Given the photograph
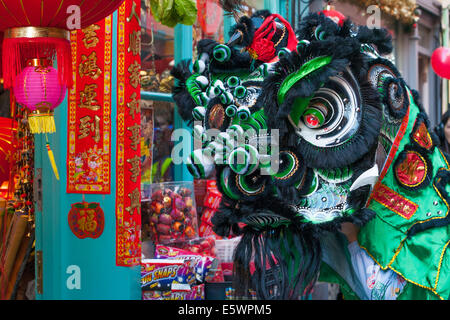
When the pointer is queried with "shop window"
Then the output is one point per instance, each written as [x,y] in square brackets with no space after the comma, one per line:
[157,53]
[209,24]
[211,20]
[251,6]
[156,145]
[157,117]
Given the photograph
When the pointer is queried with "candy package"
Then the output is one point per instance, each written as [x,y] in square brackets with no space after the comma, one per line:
[200,263]
[172,213]
[163,274]
[195,293]
[213,196]
[200,245]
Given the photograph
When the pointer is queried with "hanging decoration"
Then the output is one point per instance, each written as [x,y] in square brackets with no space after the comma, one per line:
[86,220]
[128,157]
[440,61]
[8,146]
[17,218]
[37,88]
[40,30]
[89,116]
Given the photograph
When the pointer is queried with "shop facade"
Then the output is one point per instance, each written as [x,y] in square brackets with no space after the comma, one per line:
[87,236]
[70,265]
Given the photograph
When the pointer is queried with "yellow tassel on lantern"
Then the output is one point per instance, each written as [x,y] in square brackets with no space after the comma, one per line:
[42,123]
[52,161]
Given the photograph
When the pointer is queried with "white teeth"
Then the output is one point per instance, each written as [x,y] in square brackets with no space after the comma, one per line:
[368,177]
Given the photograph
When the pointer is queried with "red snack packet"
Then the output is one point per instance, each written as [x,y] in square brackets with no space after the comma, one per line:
[207,215]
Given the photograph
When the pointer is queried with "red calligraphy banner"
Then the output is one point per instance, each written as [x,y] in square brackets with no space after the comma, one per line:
[89,123]
[128,161]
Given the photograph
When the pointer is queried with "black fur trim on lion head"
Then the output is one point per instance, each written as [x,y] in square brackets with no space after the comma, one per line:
[181,72]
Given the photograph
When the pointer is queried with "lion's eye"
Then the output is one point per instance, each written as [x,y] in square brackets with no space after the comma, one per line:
[316,114]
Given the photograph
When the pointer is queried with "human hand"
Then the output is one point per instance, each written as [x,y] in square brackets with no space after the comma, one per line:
[350,231]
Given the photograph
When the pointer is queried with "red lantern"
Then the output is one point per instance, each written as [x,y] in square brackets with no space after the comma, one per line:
[37,88]
[38,29]
[440,61]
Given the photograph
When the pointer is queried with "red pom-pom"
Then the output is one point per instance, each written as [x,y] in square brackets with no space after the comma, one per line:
[263,50]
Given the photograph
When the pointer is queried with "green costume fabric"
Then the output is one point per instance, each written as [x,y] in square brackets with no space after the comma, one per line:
[422,259]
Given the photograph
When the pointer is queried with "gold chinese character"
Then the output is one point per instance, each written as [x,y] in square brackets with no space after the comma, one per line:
[88,97]
[87,220]
[135,42]
[88,66]
[87,127]
[90,38]
[135,201]
[134,105]
[135,135]
[135,167]
[412,169]
[134,69]
[133,13]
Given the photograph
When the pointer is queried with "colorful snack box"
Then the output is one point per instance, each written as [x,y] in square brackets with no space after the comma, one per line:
[201,263]
[161,274]
[195,293]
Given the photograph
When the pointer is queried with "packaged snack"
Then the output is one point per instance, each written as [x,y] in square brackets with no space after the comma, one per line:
[200,192]
[195,293]
[212,197]
[205,230]
[207,215]
[200,263]
[161,274]
[215,274]
[172,215]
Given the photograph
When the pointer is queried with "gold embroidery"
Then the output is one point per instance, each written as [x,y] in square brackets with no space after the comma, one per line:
[135,42]
[88,66]
[87,127]
[88,98]
[134,69]
[90,38]
[135,199]
[135,135]
[133,14]
[135,169]
[134,105]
